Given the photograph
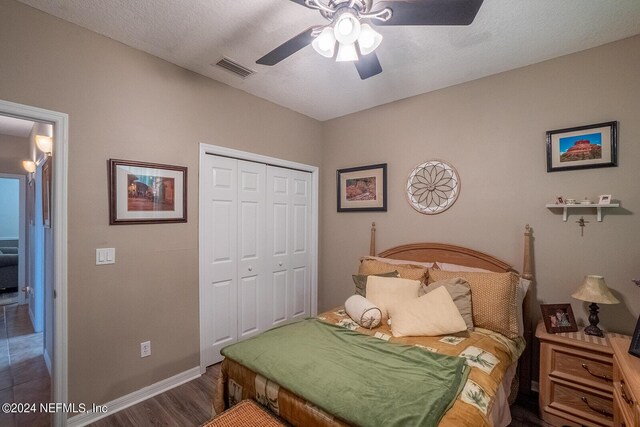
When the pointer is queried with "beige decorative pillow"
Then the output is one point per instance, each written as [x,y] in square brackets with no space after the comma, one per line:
[460,292]
[384,292]
[406,271]
[360,281]
[430,315]
[493,299]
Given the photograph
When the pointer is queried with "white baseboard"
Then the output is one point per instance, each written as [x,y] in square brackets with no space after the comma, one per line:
[535,386]
[47,360]
[136,397]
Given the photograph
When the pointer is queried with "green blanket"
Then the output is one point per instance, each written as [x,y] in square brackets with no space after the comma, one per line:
[360,379]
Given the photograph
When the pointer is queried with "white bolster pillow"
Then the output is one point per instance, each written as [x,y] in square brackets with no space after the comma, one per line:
[363,311]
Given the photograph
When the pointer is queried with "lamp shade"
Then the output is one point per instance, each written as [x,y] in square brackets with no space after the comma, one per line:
[325,43]
[594,289]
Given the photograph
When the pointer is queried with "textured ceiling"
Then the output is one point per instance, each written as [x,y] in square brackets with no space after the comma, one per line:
[194,34]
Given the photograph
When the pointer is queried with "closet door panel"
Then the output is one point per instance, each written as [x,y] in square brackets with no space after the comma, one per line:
[300,257]
[251,252]
[220,265]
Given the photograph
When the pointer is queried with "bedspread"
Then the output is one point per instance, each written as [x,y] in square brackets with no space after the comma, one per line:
[488,354]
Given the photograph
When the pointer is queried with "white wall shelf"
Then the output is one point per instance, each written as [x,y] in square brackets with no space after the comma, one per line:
[565,208]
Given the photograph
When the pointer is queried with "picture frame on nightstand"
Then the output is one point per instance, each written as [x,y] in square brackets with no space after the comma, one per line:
[558,318]
[634,348]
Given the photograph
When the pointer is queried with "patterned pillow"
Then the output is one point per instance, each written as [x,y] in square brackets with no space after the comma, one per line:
[360,281]
[413,272]
[493,298]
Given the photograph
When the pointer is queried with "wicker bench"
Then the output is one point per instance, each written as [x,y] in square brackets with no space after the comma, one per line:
[245,413]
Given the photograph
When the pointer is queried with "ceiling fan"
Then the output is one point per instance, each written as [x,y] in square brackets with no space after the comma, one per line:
[349,36]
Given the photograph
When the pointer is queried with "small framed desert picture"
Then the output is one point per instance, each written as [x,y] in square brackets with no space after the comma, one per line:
[362,188]
[146,193]
[583,147]
[558,318]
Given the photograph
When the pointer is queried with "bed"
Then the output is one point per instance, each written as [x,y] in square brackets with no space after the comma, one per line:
[478,370]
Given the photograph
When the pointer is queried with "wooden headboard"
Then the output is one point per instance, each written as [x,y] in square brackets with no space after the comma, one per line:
[432,252]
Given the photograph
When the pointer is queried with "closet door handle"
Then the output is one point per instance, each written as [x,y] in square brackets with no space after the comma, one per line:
[250,269]
[280,263]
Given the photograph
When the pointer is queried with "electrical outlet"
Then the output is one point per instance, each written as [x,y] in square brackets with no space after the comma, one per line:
[145,349]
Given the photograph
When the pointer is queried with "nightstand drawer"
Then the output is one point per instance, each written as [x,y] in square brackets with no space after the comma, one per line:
[592,407]
[590,369]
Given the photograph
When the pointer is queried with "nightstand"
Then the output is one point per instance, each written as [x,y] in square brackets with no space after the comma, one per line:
[576,378]
[626,384]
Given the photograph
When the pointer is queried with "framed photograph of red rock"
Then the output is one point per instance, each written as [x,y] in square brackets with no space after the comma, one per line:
[583,147]
[363,188]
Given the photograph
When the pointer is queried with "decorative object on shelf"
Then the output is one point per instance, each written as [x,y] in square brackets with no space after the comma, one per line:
[566,206]
[634,348]
[558,318]
[559,200]
[585,201]
[582,223]
[46,192]
[605,199]
[582,147]
[363,188]
[570,201]
[433,187]
[146,193]
[595,291]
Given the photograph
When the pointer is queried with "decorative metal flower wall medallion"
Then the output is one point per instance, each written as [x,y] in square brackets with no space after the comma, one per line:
[433,187]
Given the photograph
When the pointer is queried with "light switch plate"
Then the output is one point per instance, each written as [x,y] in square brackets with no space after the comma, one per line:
[105,256]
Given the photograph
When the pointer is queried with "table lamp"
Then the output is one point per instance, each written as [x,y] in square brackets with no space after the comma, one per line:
[595,291]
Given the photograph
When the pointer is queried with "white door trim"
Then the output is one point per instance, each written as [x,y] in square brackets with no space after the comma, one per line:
[22,224]
[60,121]
[252,157]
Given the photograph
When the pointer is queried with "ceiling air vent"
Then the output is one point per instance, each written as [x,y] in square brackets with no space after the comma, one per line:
[235,68]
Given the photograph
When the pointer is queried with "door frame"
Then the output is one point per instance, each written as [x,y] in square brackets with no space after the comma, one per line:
[22,232]
[206,149]
[60,122]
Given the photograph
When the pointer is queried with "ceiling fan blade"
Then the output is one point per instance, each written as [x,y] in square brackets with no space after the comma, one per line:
[288,48]
[430,12]
[368,66]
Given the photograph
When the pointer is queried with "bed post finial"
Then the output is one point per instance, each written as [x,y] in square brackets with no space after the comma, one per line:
[527,272]
[372,243]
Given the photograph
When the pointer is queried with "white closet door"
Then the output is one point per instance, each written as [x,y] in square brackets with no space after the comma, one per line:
[288,239]
[220,258]
[252,291]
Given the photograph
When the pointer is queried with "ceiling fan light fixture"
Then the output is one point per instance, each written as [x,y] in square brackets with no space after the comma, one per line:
[347,28]
[347,52]
[325,43]
[369,39]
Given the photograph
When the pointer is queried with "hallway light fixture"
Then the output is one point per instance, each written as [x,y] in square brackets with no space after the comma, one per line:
[29,166]
[44,143]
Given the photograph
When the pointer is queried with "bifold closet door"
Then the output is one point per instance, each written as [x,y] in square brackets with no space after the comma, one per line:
[288,244]
[234,252]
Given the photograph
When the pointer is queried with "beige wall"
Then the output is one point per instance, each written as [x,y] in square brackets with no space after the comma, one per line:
[13,150]
[493,131]
[129,105]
